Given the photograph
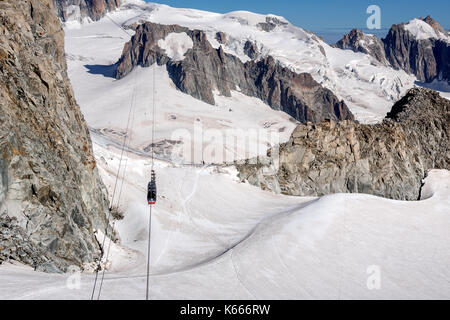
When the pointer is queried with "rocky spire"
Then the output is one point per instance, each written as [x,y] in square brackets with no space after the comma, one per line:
[428,59]
[434,24]
[358,41]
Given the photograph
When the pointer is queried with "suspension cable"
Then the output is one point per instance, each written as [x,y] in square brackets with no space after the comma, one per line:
[148,254]
[119,26]
[153,114]
[113,196]
[116,182]
[153,167]
[133,99]
[120,166]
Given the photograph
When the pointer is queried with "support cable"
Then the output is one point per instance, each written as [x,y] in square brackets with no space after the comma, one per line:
[148,254]
[121,184]
[153,167]
[113,198]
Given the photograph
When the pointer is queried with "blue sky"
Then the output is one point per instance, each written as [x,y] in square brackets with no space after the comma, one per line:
[325,14]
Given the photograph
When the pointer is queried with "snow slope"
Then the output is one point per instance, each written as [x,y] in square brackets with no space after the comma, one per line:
[176,45]
[276,247]
[422,30]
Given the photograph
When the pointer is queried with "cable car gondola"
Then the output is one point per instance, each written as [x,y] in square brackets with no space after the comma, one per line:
[151,194]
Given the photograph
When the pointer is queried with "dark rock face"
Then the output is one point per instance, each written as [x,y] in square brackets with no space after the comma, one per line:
[388,159]
[427,59]
[270,24]
[143,49]
[358,41]
[51,195]
[251,50]
[417,57]
[205,69]
[16,245]
[94,9]
[221,37]
[299,95]
[434,24]
[442,54]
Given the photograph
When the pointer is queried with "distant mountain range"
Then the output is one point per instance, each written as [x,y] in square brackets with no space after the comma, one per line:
[420,47]
[333,35]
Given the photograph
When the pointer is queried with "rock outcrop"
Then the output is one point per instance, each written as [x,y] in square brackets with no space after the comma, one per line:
[434,24]
[80,9]
[423,58]
[221,37]
[299,95]
[358,41]
[426,56]
[251,50]
[388,159]
[205,70]
[51,195]
[271,23]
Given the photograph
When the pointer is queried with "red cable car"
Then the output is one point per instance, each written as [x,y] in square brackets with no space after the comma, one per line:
[151,193]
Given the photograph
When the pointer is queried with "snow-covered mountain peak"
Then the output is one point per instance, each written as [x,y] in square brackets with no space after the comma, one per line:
[421,30]
[428,28]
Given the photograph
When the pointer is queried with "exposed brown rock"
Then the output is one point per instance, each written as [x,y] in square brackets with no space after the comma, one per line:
[417,57]
[51,195]
[221,37]
[94,9]
[434,24]
[388,159]
[251,50]
[358,41]
[427,59]
[299,95]
[270,24]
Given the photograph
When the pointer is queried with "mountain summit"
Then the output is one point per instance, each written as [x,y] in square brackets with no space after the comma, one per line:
[420,47]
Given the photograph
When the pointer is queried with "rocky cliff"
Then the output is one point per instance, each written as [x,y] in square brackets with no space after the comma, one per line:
[358,41]
[80,9]
[420,47]
[388,159]
[51,195]
[203,70]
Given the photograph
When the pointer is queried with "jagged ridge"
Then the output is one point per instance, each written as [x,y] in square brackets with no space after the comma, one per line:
[205,69]
[388,159]
[427,59]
